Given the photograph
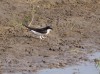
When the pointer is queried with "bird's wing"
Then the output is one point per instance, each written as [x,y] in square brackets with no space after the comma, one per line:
[40,30]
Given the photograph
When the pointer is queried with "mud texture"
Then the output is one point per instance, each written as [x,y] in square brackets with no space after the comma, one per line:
[76,33]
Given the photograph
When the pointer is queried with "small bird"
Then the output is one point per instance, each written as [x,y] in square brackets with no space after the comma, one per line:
[40,31]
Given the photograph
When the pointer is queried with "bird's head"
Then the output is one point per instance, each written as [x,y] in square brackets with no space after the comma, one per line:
[49,27]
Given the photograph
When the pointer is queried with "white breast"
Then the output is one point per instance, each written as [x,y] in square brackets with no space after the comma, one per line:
[48,31]
[37,33]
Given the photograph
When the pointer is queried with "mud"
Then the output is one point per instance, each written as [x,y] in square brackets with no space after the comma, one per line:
[76,33]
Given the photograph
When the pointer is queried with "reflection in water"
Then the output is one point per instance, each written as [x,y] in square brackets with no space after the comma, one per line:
[83,68]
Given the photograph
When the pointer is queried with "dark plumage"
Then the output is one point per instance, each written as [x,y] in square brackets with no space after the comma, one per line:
[40,31]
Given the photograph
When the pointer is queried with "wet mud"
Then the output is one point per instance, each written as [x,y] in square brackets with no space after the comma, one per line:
[76,33]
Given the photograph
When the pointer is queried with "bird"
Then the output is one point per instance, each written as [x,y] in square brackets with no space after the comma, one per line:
[41,32]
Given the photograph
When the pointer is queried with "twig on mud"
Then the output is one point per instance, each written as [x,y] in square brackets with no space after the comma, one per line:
[31,21]
[33,11]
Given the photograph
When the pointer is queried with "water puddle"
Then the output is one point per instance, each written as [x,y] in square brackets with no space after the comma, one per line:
[96,55]
[91,67]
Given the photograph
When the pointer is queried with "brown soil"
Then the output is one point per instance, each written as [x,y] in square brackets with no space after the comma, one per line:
[76,33]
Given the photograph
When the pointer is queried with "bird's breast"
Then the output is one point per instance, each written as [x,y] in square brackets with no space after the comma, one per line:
[48,31]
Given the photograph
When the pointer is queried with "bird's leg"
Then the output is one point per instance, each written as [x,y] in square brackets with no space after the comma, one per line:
[43,37]
[40,37]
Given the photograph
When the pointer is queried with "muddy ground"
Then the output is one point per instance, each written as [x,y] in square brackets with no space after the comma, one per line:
[76,33]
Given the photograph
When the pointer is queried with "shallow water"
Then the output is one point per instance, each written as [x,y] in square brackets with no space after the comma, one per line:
[87,68]
[83,68]
[95,55]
